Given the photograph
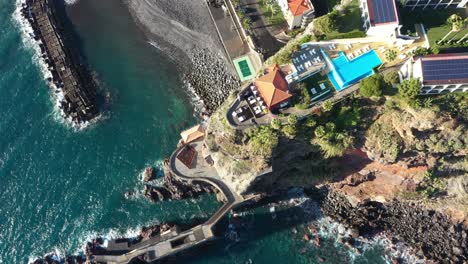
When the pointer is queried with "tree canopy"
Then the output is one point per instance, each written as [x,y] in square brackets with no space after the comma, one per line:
[332,142]
[262,140]
[372,86]
[410,88]
[326,24]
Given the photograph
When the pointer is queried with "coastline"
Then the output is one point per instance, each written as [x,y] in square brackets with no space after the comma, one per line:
[187,34]
[74,88]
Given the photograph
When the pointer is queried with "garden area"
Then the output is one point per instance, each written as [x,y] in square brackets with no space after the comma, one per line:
[436,24]
[311,90]
[340,24]
[271,11]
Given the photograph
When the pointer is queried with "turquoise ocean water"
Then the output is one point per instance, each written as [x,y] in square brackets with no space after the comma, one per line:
[60,187]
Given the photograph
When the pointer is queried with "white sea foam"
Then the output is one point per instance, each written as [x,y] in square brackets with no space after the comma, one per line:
[71,2]
[30,44]
[56,254]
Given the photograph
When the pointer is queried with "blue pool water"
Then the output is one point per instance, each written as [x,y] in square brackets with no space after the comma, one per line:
[345,72]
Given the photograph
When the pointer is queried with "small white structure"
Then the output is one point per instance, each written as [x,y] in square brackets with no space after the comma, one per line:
[298,13]
[380,17]
[441,73]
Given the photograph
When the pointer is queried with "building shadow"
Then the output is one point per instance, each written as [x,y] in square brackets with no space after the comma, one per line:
[262,225]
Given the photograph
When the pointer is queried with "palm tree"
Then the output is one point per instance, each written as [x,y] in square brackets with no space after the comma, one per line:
[466,35]
[457,22]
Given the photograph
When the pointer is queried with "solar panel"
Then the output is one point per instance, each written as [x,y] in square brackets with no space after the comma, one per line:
[445,70]
[384,11]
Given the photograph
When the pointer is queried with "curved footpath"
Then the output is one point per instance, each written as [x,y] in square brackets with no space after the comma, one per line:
[157,248]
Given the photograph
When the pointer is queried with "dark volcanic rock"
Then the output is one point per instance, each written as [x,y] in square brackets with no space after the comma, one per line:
[428,231]
[175,189]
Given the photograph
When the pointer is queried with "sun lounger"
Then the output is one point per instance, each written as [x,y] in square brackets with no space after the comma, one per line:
[253,101]
[322,86]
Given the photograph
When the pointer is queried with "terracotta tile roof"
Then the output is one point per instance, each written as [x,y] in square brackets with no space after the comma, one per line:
[298,7]
[192,134]
[273,87]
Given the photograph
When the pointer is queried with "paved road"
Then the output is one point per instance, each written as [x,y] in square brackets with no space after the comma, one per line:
[263,33]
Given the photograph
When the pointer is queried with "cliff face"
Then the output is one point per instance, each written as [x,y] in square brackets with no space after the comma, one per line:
[416,137]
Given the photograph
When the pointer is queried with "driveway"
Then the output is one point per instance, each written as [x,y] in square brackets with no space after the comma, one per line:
[263,33]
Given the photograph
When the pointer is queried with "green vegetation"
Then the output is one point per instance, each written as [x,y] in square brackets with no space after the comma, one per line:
[435,21]
[344,24]
[276,124]
[390,55]
[305,39]
[392,78]
[409,90]
[421,51]
[327,106]
[301,96]
[271,11]
[431,185]
[332,142]
[372,86]
[283,56]
[384,141]
[326,24]
[262,140]
[293,33]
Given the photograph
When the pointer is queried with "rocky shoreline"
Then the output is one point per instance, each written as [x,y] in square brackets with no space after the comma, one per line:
[74,86]
[430,233]
[173,189]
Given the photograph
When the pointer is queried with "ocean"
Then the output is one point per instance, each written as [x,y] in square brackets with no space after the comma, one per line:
[60,186]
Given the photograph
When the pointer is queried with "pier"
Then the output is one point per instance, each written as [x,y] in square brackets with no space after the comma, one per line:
[173,241]
[75,88]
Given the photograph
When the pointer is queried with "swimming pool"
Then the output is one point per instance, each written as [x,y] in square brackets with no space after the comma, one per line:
[345,72]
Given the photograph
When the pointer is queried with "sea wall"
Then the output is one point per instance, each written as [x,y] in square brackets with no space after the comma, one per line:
[73,86]
[430,233]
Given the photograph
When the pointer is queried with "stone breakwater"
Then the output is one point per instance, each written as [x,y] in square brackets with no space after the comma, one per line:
[73,85]
[432,235]
[210,79]
[99,245]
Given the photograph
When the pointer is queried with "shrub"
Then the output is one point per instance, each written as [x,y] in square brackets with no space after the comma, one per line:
[327,106]
[276,124]
[390,55]
[305,39]
[332,142]
[372,86]
[421,51]
[392,78]
[326,24]
[409,89]
[289,131]
[310,122]
[292,120]
[262,140]
[301,97]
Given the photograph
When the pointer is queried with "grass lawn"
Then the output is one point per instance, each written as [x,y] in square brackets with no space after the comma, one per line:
[435,21]
[349,23]
[314,82]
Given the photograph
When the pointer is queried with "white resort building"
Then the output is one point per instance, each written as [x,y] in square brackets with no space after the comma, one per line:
[380,17]
[298,13]
[434,3]
[442,73]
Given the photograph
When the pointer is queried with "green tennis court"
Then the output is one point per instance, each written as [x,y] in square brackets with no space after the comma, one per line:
[244,68]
